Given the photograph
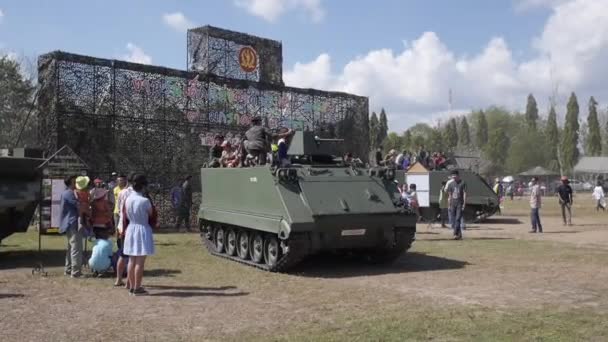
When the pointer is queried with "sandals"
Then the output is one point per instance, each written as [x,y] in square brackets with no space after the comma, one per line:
[119,284]
[138,292]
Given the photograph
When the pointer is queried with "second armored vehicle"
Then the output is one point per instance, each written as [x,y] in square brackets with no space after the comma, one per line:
[19,193]
[272,218]
[482,202]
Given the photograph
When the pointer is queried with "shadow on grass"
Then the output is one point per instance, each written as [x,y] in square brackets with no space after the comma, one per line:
[481,238]
[161,272]
[30,258]
[190,288]
[11,295]
[165,244]
[426,233]
[562,232]
[502,220]
[190,294]
[338,266]
[484,228]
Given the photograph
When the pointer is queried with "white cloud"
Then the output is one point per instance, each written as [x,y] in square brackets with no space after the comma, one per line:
[524,5]
[136,55]
[271,10]
[413,84]
[178,21]
[1,15]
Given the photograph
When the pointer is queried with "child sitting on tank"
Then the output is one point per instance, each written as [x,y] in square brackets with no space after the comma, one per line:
[229,157]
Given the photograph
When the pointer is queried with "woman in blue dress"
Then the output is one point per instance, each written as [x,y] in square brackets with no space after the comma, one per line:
[139,241]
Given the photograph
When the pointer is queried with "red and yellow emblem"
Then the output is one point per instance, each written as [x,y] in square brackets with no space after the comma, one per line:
[248,59]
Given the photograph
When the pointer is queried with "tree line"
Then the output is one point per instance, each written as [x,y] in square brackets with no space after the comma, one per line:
[512,142]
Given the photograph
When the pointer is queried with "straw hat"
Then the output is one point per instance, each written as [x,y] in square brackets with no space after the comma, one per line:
[82,182]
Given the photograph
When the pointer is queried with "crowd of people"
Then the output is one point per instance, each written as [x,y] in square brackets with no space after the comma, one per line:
[121,207]
[405,159]
[254,150]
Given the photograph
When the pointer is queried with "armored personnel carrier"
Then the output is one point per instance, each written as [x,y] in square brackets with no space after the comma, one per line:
[273,217]
[481,203]
[19,193]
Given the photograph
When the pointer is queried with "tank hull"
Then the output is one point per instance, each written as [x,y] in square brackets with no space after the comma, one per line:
[332,209]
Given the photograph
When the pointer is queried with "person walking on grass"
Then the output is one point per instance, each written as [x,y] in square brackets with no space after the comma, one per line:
[443,204]
[457,192]
[139,241]
[69,209]
[564,194]
[535,204]
[598,195]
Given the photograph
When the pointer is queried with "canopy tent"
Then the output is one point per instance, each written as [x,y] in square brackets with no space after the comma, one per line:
[539,171]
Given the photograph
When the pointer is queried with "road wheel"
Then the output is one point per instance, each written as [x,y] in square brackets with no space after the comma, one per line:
[256,248]
[231,242]
[272,250]
[219,239]
[243,245]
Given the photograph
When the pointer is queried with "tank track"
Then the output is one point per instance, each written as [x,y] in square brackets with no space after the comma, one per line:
[299,249]
[388,254]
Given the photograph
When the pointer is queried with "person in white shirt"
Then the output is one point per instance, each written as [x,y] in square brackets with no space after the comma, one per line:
[598,195]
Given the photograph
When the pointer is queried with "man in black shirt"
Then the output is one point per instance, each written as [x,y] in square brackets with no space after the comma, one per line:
[564,194]
[257,143]
[457,197]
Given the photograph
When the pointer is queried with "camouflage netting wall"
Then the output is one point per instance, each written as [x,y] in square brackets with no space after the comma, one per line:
[120,116]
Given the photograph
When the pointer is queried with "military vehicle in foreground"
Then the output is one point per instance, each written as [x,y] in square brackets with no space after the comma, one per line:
[273,217]
[20,184]
[482,202]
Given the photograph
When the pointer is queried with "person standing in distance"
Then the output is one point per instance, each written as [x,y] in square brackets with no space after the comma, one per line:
[457,192]
[121,184]
[120,233]
[535,204]
[564,194]
[70,213]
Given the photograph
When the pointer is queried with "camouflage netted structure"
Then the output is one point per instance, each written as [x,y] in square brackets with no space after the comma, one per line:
[120,116]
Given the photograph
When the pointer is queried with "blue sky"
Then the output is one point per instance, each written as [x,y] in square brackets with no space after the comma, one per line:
[343,43]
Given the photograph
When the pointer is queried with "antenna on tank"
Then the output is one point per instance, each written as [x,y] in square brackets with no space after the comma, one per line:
[450,102]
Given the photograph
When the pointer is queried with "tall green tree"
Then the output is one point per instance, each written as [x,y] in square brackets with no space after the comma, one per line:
[406,140]
[382,126]
[531,112]
[481,131]
[552,136]
[392,141]
[451,133]
[521,156]
[569,150]
[497,147]
[594,138]
[464,134]
[374,126]
[16,94]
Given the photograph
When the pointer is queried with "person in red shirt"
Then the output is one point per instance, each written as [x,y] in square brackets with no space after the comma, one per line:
[101,210]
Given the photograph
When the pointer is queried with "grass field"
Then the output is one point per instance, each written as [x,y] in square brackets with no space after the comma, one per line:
[498,284]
